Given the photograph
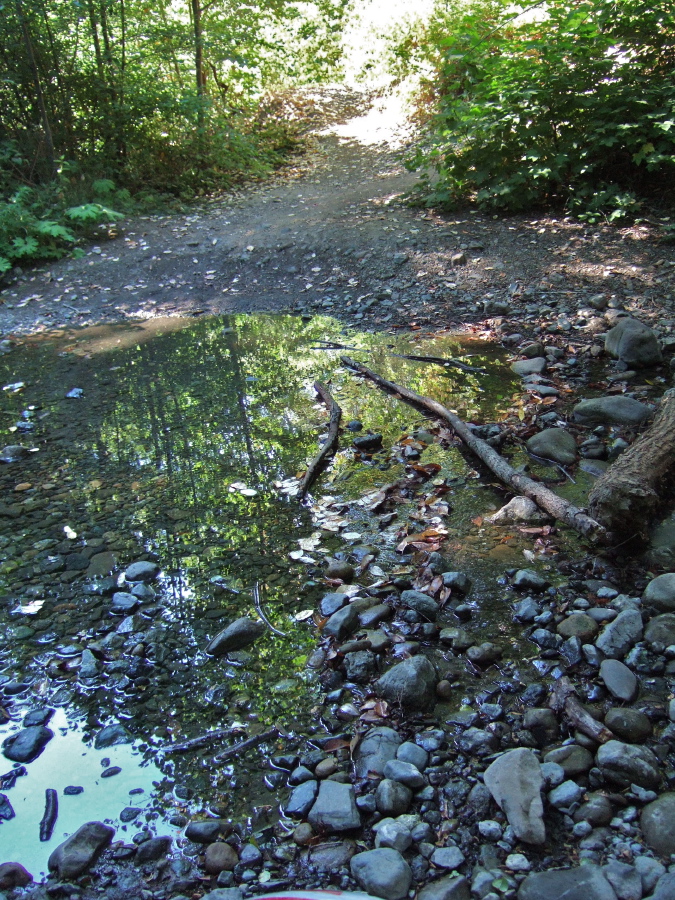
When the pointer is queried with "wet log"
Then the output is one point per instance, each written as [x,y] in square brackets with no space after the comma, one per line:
[202,741]
[564,700]
[545,498]
[330,444]
[253,741]
[627,495]
[51,814]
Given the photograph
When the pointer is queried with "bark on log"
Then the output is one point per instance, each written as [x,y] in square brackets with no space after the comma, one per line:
[329,446]
[564,699]
[547,499]
[235,749]
[626,496]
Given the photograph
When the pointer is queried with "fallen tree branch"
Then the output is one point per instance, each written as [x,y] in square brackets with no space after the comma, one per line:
[249,742]
[544,497]
[563,699]
[330,444]
[625,497]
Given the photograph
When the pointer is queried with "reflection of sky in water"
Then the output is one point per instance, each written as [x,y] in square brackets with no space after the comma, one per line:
[67,761]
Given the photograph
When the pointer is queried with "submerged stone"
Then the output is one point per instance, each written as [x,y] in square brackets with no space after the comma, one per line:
[239,634]
[27,744]
[80,850]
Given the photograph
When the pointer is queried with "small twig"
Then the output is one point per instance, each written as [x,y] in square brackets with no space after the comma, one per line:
[248,743]
[553,463]
[258,606]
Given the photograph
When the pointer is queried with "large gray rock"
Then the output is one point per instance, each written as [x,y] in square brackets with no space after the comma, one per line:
[80,850]
[143,570]
[377,747]
[335,808]
[13,875]
[13,453]
[619,680]
[342,623]
[302,799]
[383,873]
[152,850]
[625,764]
[392,797]
[634,343]
[628,724]
[573,759]
[660,593]
[622,633]
[661,630]
[412,683]
[554,443]
[27,744]
[404,772]
[239,634]
[658,824]
[583,883]
[520,509]
[112,735]
[423,604]
[452,887]
[612,411]
[515,782]
[330,856]
[533,366]
[665,887]
[624,879]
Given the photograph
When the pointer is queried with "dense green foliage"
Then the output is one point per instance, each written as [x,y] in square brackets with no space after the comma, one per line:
[171,97]
[571,103]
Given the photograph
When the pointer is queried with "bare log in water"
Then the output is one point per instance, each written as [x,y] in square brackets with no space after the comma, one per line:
[626,496]
[547,499]
[330,444]
[51,814]
[198,742]
[247,744]
[436,360]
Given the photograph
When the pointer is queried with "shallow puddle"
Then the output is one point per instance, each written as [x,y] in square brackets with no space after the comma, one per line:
[174,443]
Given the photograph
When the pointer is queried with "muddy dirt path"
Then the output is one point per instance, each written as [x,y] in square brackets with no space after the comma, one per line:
[332,234]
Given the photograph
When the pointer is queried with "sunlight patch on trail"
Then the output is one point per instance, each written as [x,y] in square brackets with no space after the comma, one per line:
[387,122]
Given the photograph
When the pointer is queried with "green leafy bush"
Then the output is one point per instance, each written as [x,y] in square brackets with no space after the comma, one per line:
[35,224]
[573,103]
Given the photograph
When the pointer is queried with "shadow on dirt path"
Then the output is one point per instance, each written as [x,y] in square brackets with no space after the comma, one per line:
[333,235]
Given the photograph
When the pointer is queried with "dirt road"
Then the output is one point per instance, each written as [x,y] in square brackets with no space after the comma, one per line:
[332,235]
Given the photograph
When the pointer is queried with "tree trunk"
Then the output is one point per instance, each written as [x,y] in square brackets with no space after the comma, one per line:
[548,500]
[626,496]
[199,64]
[42,106]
